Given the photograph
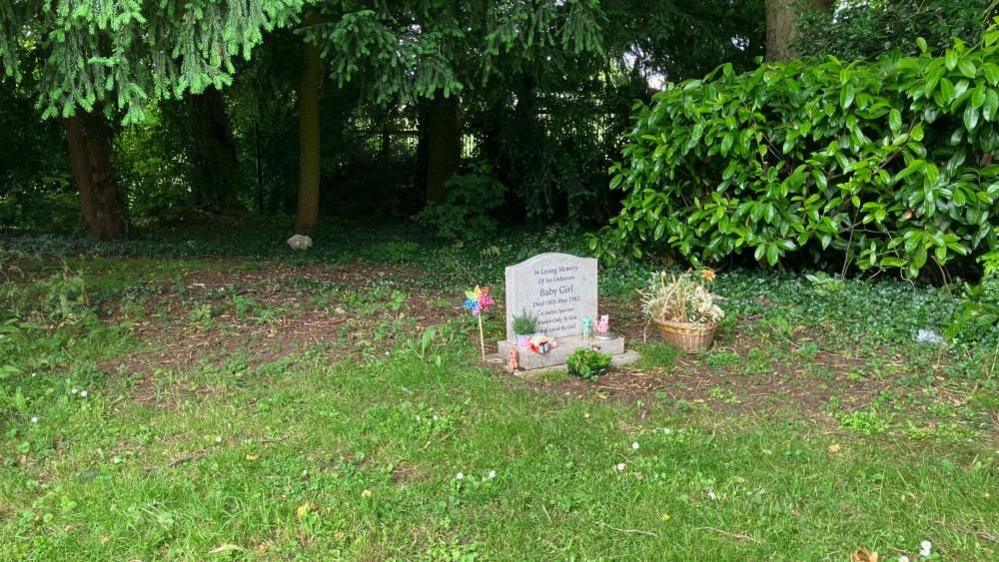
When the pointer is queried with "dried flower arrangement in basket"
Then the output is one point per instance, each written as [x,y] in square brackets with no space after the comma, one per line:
[683,307]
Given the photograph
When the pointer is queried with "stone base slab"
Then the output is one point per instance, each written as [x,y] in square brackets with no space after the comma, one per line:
[530,361]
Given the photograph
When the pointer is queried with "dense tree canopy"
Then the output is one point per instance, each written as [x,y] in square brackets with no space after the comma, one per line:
[866,30]
[125,55]
[461,114]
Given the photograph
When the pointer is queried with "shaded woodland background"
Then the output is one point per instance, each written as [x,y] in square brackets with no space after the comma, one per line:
[504,112]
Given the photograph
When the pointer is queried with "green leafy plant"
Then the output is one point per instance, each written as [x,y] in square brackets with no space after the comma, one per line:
[243,305]
[868,422]
[990,260]
[8,329]
[203,315]
[393,252]
[865,30]
[978,319]
[588,364]
[65,300]
[465,214]
[883,165]
[452,552]
[824,284]
[525,324]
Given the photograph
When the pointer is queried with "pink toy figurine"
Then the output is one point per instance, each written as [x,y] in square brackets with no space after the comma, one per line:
[514,360]
[603,324]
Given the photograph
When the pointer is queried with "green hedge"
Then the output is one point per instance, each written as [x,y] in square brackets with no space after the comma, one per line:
[883,165]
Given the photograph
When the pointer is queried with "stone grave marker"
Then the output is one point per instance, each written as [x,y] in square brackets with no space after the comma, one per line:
[560,290]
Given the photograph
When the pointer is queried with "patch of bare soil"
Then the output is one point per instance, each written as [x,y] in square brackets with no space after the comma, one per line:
[405,473]
[803,383]
[274,275]
[690,382]
[294,323]
[283,319]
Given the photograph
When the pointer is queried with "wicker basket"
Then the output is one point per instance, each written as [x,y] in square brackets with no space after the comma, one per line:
[686,336]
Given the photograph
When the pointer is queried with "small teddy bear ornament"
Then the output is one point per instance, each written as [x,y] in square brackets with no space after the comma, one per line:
[514,360]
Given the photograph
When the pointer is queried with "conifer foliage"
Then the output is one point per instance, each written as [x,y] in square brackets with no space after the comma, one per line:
[125,54]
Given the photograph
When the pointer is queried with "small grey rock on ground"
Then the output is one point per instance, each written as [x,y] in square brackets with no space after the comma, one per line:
[300,242]
[928,336]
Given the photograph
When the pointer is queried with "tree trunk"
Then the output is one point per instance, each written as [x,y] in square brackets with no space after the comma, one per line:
[492,135]
[216,167]
[307,213]
[256,161]
[782,31]
[420,167]
[526,137]
[101,199]
[443,145]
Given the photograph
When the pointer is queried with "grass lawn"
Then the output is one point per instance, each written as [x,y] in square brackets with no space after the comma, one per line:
[208,396]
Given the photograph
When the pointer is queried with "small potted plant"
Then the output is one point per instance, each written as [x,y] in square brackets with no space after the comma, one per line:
[524,326]
[683,308]
[588,363]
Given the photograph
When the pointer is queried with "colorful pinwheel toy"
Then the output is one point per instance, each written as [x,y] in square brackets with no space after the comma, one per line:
[478,301]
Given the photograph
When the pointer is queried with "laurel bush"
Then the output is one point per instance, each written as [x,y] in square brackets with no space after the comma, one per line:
[884,165]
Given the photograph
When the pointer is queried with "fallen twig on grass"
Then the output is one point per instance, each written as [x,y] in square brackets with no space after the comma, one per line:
[739,536]
[544,509]
[185,458]
[629,531]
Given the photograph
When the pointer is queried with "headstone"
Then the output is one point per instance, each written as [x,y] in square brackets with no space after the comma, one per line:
[560,290]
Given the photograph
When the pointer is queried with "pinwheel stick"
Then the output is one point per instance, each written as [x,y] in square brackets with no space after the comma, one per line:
[482,339]
[478,301]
